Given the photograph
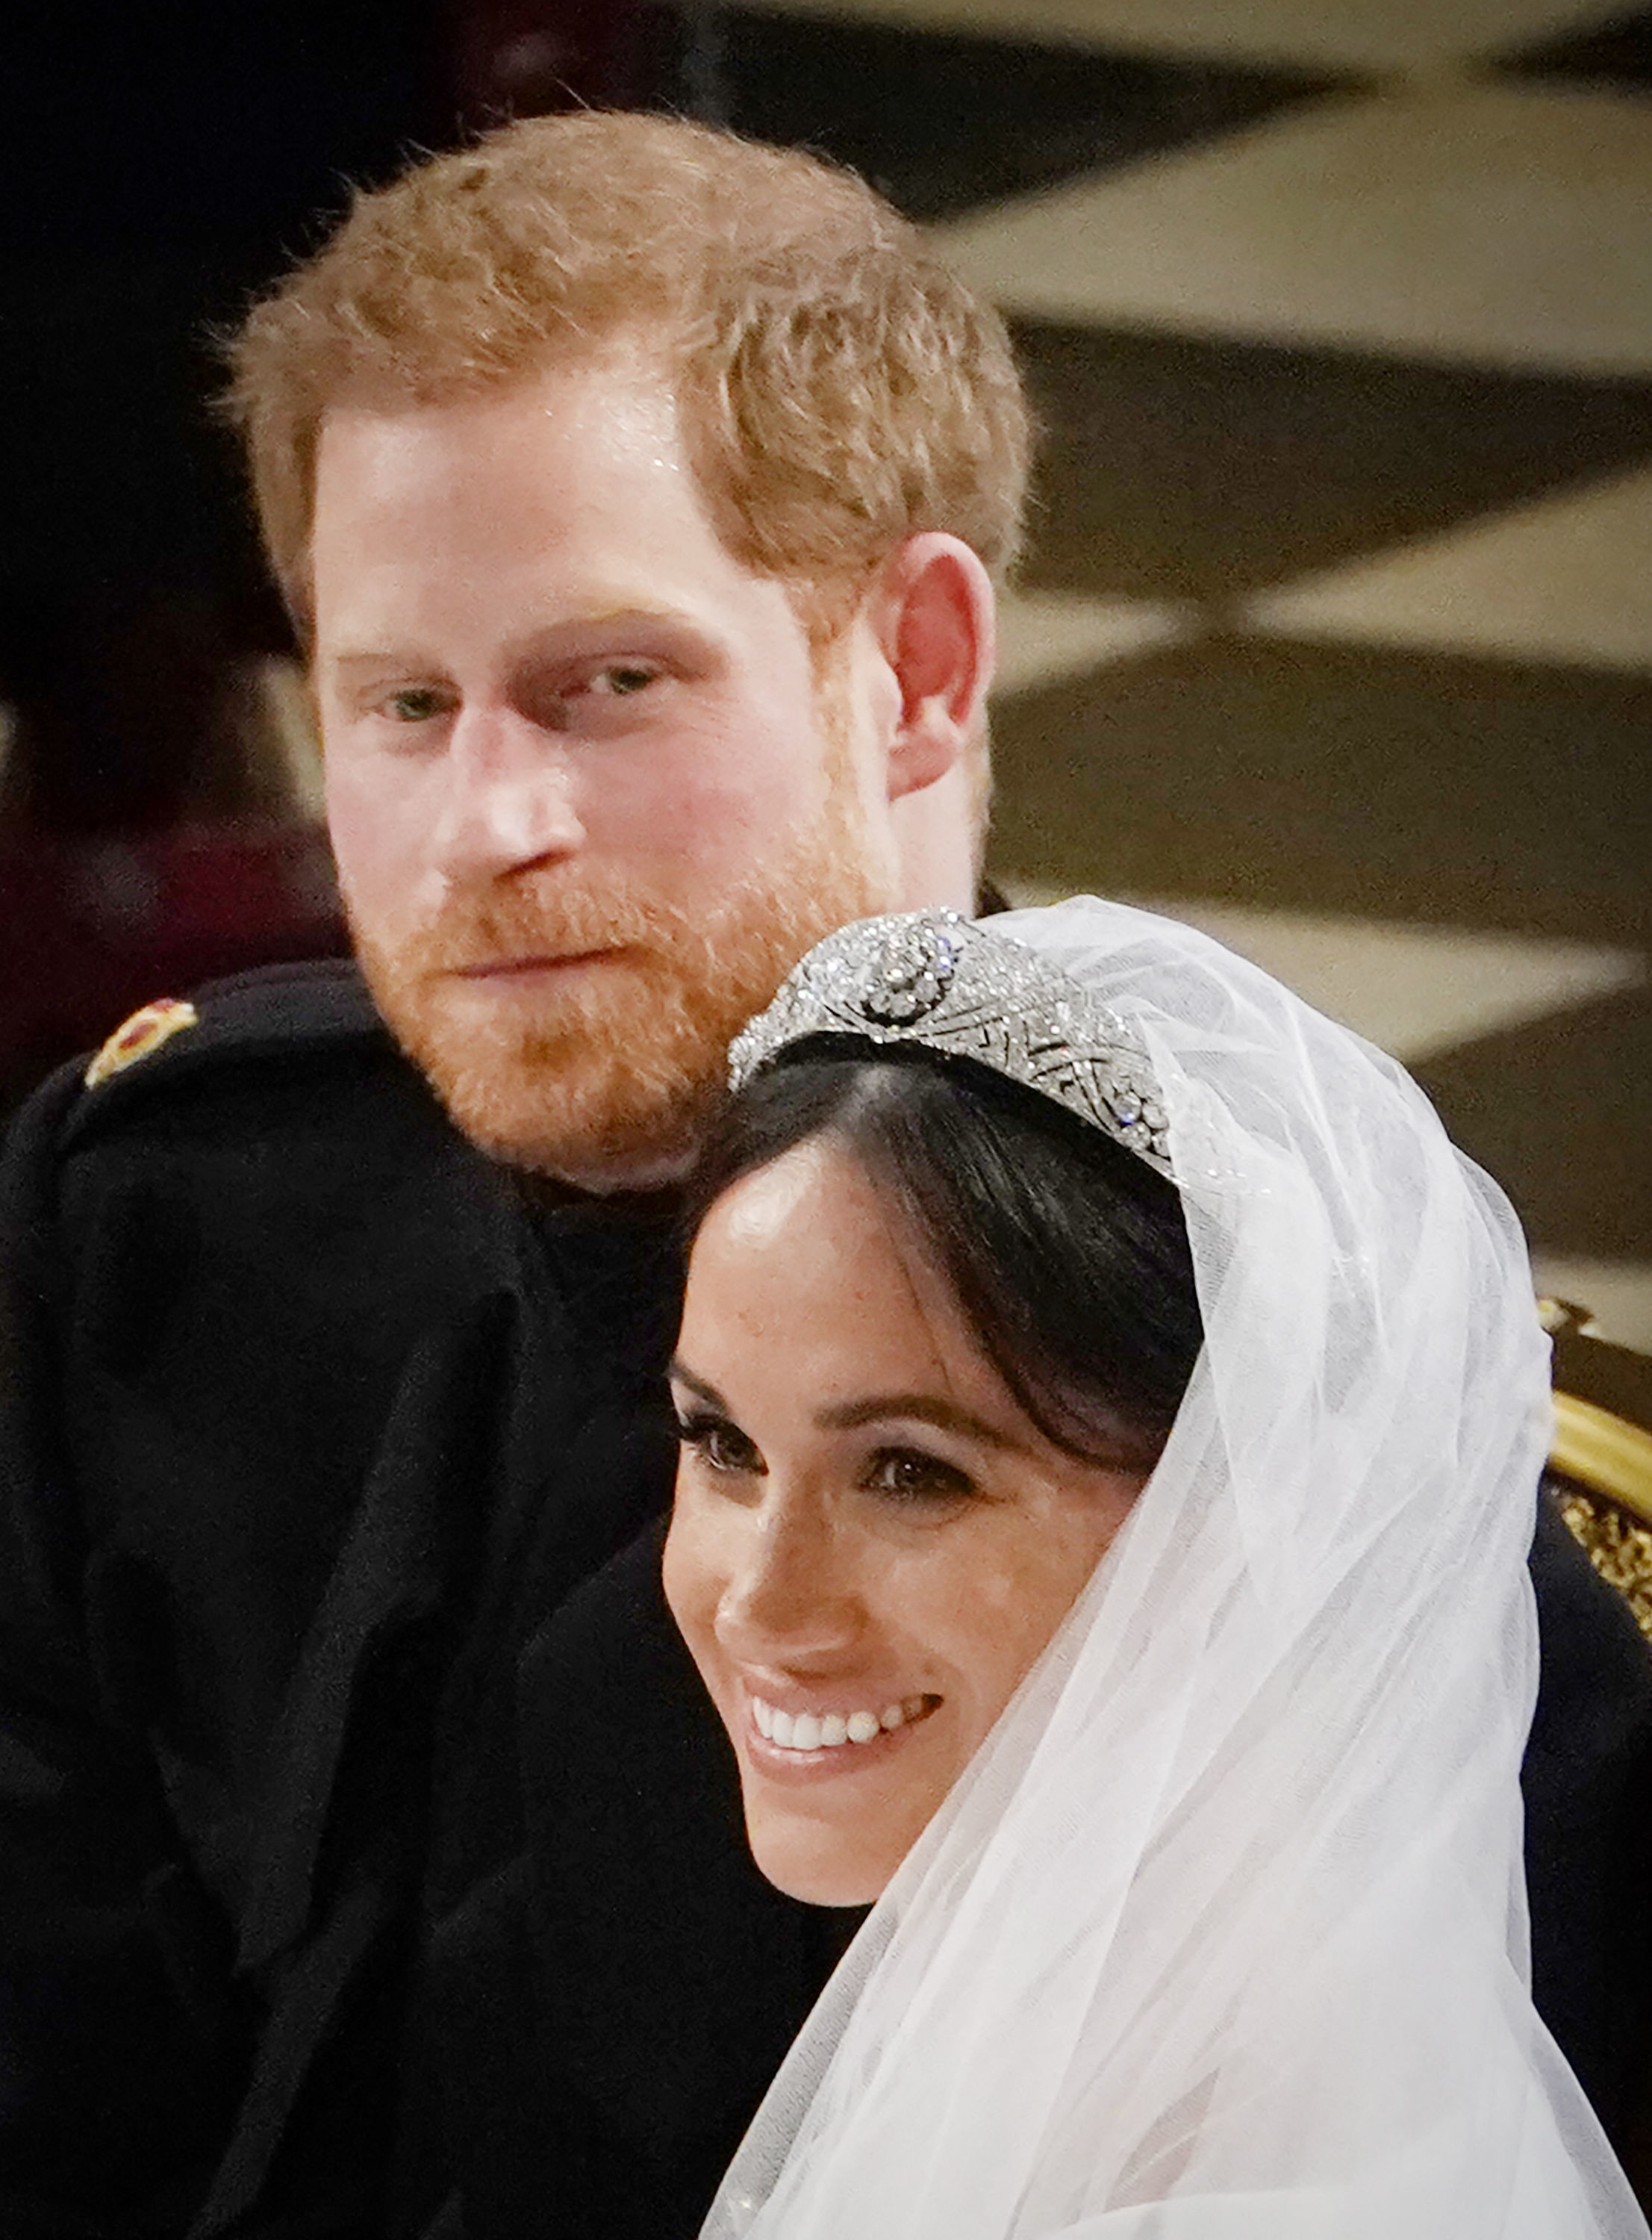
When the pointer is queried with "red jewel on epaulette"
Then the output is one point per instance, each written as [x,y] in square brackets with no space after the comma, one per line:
[143,1032]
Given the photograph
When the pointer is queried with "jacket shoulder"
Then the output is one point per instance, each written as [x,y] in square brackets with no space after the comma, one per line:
[221,1036]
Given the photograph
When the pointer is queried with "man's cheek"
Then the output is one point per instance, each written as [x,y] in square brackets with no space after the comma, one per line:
[376,841]
[717,782]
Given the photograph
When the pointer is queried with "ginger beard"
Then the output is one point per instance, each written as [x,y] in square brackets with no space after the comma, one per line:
[614,1072]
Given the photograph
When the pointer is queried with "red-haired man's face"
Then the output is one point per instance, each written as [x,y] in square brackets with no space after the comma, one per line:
[588,797]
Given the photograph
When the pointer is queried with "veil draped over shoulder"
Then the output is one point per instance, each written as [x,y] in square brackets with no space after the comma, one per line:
[1222,1935]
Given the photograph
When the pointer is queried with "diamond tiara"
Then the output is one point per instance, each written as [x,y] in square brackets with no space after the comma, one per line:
[932,979]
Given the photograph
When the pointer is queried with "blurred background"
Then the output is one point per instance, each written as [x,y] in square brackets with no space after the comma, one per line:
[1336,635]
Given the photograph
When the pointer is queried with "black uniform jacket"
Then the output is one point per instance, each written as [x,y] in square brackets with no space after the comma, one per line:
[362,1872]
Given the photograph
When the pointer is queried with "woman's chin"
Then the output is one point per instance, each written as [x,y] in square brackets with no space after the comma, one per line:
[803,1864]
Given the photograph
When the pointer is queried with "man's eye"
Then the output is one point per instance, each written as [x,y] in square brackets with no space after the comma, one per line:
[621,678]
[721,1445]
[907,1474]
[419,703]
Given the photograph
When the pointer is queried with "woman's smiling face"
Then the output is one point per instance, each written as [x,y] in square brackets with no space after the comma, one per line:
[872,1541]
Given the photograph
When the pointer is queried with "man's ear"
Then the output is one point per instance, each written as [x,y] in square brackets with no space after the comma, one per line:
[933,615]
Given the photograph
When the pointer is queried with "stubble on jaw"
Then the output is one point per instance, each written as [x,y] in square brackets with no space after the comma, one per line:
[616,1073]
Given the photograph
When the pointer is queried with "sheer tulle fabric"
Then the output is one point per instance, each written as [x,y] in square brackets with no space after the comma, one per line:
[1223,1936]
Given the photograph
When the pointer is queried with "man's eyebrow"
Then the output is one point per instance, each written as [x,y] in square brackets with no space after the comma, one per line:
[350,660]
[915,1407]
[677,620]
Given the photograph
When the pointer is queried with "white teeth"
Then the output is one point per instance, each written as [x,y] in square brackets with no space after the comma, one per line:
[811,1730]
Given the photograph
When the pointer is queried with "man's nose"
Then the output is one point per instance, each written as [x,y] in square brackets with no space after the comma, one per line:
[508,797]
[792,1597]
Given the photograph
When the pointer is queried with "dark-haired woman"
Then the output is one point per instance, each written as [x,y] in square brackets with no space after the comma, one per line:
[1111,1412]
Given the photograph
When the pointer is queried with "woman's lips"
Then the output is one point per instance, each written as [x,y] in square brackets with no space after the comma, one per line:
[835,1741]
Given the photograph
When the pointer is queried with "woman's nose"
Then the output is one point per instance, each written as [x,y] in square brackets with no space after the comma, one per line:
[508,799]
[791,1596]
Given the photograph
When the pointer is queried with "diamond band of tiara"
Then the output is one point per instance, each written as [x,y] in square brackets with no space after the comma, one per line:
[931,978]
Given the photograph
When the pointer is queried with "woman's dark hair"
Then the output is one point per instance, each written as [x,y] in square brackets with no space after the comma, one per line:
[1068,1255]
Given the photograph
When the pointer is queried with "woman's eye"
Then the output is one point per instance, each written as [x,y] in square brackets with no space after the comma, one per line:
[722,1446]
[907,1474]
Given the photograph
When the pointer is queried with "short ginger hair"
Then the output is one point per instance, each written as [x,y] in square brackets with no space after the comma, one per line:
[839,389]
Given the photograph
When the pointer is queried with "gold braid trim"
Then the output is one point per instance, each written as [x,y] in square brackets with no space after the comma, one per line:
[1620,1551]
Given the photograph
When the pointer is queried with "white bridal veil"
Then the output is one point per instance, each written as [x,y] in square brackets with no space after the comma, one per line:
[1223,1936]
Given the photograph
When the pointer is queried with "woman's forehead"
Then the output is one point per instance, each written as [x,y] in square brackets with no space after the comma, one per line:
[806,1268]
[816,1214]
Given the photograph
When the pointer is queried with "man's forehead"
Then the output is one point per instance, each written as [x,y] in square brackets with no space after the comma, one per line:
[622,379]
[589,456]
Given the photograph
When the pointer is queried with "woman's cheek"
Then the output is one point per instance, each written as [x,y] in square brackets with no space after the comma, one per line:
[686,1572]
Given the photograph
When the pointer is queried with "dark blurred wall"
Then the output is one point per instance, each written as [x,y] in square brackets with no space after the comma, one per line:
[158,164]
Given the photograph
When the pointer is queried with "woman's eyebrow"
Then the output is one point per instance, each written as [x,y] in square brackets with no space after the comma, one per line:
[681,1375]
[913,1407]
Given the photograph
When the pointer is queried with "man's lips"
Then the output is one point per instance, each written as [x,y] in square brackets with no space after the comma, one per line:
[528,967]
